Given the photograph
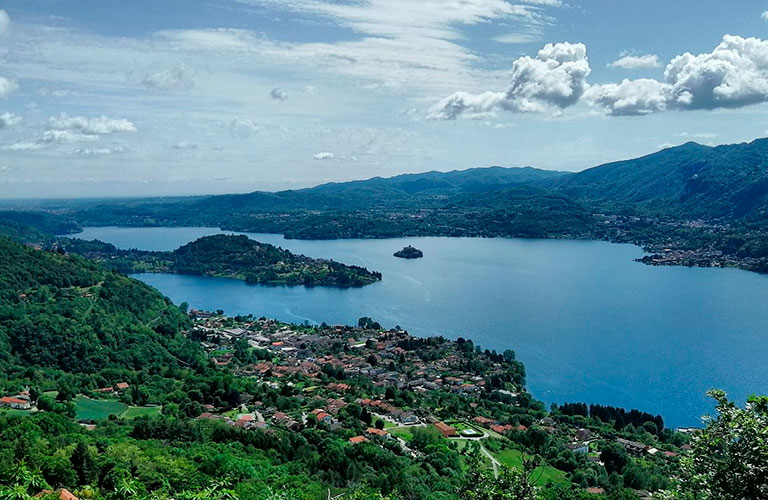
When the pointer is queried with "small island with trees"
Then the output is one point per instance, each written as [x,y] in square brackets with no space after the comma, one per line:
[409,252]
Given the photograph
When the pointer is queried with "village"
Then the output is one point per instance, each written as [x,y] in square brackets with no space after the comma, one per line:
[369,366]
[380,386]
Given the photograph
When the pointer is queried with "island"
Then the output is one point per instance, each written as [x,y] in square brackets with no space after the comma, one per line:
[409,252]
[226,256]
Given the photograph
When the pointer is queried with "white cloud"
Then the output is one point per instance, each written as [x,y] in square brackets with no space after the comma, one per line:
[49,92]
[630,97]
[243,127]
[554,79]
[100,125]
[22,146]
[278,94]
[177,78]
[5,22]
[637,62]
[66,136]
[324,155]
[7,87]
[734,74]
[514,38]
[100,151]
[764,16]
[185,145]
[8,120]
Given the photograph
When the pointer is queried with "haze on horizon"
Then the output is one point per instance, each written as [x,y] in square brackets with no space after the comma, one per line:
[199,97]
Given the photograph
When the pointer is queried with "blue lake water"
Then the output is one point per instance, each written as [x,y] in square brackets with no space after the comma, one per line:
[589,323]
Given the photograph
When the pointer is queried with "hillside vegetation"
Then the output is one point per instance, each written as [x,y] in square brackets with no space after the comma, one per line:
[63,312]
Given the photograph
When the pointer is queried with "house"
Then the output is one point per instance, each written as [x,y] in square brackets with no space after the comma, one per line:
[105,390]
[583,435]
[15,403]
[445,430]
[595,490]
[579,447]
[373,432]
[121,386]
[324,417]
[485,422]
[408,418]
[358,440]
[632,446]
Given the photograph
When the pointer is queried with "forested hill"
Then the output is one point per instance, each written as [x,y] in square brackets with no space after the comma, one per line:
[725,182]
[228,256]
[63,312]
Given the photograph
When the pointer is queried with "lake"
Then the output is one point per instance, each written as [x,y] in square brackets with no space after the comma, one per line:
[589,323]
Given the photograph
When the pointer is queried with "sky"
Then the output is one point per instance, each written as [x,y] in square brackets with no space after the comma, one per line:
[179,97]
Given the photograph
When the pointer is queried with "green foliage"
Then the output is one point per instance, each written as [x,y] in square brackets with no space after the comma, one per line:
[729,459]
[65,313]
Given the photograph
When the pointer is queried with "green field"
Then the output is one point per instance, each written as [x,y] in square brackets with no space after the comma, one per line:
[140,411]
[101,409]
[97,409]
[543,475]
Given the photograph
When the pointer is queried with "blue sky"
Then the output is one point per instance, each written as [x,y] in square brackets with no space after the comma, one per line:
[107,97]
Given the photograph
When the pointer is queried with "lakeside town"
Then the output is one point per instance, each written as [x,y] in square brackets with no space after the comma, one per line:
[371,385]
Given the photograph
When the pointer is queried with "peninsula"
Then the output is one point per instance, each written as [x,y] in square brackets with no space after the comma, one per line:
[226,256]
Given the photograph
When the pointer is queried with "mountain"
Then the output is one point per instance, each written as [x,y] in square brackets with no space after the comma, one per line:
[63,312]
[689,181]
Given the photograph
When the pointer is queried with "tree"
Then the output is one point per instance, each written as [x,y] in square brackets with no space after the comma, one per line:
[615,458]
[729,457]
[511,484]
[389,393]
[26,482]
[84,463]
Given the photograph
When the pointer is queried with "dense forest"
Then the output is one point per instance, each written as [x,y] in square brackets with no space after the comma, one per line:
[227,256]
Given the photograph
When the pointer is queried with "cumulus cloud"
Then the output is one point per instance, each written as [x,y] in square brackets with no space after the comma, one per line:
[177,78]
[555,79]
[8,120]
[733,75]
[5,22]
[630,97]
[324,155]
[100,125]
[764,16]
[7,87]
[278,94]
[637,62]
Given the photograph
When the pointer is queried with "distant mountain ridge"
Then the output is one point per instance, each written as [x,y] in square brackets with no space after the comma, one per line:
[701,205]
